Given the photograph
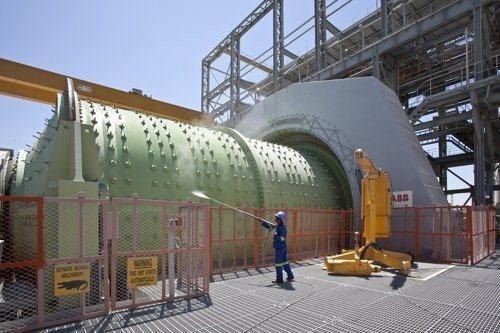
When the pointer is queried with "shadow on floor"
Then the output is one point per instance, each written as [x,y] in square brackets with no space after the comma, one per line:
[225,276]
[125,319]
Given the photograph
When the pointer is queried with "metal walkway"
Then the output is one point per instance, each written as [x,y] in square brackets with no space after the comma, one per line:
[492,261]
[460,299]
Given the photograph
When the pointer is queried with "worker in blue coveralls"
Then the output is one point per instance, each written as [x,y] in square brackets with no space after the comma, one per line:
[279,245]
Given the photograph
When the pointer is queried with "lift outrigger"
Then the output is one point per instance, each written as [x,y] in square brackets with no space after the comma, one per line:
[375,216]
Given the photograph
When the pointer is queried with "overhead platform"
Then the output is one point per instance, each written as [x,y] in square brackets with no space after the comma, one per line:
[460,299]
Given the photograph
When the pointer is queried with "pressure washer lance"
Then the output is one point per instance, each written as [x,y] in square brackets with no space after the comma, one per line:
[203,196]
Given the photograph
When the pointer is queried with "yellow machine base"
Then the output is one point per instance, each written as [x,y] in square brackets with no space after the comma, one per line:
[350,267]
[359,261]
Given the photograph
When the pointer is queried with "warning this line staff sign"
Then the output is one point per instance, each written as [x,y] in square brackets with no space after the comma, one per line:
[142,271]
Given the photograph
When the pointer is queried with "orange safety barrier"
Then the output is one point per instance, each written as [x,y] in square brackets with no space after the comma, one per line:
[446,234]
[21,263]
[238,242]
[183,243]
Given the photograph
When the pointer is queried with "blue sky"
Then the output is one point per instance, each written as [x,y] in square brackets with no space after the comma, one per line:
[156,46]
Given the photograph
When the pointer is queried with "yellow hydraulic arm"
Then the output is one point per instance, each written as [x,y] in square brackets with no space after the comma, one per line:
[375,216]
[375,199]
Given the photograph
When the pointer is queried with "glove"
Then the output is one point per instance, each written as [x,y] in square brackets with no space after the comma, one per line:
[266,224]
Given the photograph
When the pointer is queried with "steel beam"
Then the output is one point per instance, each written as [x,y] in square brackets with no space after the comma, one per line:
[252,62]
[234,76]
[31,83]
[443,120]
[320,33]
[460,190]
[255,16]
[478,40]
[436,134]
[442,145]
[330,27]
[426,24]
[451,161]
[278,44]
[290,54]
[219,89]
[384,15]
[205,86]
[479,160]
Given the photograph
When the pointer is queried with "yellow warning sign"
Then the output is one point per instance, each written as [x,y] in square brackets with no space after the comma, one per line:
[142,271]
[71,279]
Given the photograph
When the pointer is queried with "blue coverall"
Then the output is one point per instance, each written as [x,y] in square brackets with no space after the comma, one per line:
[279,245]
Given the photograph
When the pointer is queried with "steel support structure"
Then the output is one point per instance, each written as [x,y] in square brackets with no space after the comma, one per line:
[278,44]
[205,85]
[320,33]
[234,76]
[442,146]
[384,16]
[231,45]
[437,55]
[479,196]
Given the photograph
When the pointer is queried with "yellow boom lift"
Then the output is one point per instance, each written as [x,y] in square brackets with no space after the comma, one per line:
[375,216]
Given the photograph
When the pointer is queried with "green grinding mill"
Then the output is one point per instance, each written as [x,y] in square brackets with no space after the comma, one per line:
[111,152]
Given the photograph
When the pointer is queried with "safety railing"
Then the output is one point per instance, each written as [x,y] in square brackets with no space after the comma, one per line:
[463,74]
[238,242]
[55,262]
[68,259]
[459,234]
[75,274]
[21,263]
[159,252]
[482,237]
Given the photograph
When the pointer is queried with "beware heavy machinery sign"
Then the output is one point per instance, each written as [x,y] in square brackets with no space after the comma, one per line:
[142,271]
[71,279]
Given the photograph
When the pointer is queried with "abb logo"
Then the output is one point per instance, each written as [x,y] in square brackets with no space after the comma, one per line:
[402,199]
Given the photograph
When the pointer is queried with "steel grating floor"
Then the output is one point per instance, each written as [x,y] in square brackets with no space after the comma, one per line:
[460,299]
[492,261]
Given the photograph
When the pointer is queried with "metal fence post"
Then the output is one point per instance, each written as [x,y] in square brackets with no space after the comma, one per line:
[416,232]
[342,230]
[294,234]
[470,235]
[209,240]
[40,262]
[105,254]
[255,243]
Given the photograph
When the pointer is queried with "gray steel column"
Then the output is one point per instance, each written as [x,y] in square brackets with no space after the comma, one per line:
[384,17]
[234,95]
[479,162]
[478,118]
[320,33]
[205,85]
[478,41]
[278,53]
[376,66]
[496,194]
[443,179]
[489,182]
